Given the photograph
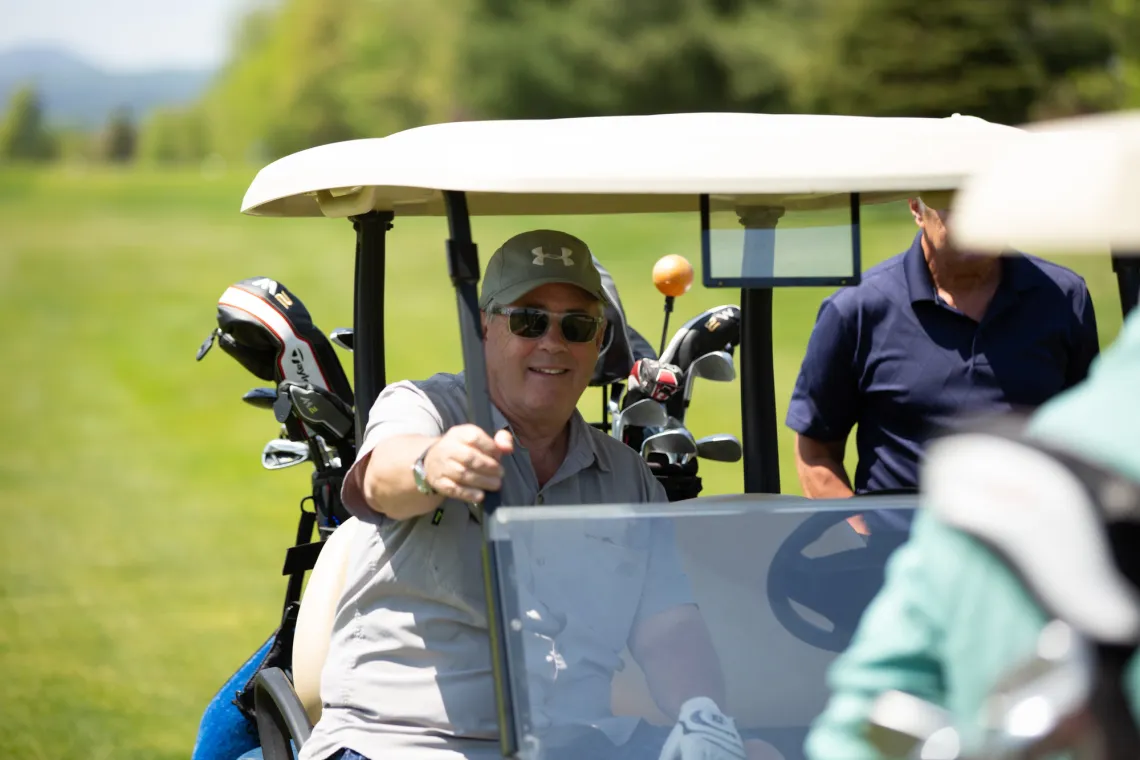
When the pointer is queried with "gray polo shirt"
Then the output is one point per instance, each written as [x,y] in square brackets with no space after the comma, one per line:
[409,666]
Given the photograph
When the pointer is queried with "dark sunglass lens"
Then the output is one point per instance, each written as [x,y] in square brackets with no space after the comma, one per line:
[579,328]
[528,323]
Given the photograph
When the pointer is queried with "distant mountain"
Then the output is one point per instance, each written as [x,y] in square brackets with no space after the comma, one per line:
[76,93]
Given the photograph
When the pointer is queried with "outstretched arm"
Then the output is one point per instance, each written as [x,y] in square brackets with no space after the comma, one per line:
[674,649]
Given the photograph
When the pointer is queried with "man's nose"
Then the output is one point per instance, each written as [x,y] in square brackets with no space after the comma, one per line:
[552,339]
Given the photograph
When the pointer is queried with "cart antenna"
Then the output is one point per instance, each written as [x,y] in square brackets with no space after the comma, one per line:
[672,276]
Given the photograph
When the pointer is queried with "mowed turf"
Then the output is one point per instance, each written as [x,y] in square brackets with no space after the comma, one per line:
[142,541]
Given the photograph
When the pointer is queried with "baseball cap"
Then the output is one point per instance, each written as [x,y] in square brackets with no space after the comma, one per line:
[539,257]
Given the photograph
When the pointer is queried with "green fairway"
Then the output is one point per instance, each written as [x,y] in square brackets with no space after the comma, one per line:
[143,541]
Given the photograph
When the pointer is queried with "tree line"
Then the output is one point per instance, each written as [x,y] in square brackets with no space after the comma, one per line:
[304,73]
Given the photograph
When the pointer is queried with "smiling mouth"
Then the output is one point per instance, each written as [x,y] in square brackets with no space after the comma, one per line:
[549,372]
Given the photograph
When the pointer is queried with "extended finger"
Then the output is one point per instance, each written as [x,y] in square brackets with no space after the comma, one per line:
[475,437]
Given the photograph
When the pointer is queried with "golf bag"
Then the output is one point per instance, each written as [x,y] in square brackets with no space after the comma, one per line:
[268,330]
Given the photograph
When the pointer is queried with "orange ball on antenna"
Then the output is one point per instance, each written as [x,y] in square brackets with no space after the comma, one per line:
[673,275]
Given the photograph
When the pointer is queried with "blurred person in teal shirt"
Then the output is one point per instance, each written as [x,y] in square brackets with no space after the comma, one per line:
[952,617]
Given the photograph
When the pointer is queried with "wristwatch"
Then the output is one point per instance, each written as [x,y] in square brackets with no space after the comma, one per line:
[420,474]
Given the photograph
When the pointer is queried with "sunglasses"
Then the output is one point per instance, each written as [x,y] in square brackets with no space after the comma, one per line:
[532,323]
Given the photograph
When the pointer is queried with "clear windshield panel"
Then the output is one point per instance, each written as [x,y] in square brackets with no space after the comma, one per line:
[782,242]
[617,613]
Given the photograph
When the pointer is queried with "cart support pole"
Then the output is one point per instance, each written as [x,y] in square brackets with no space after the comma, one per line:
[757,370]
[1127,268]
[758,393]
[368,320]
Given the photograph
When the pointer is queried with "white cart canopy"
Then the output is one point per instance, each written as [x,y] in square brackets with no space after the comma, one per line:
[626,164]
[1071,186]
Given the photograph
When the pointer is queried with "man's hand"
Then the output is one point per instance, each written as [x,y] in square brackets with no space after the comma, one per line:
[703,732]
[466,462]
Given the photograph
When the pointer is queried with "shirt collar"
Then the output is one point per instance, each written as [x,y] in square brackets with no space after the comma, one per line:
[919,284]
[1016,275]
[583,447]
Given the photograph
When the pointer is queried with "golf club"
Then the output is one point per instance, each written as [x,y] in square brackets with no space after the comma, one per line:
[316,407]
[719,447]
[675,442]
[343,337]
[262,398]
[715,365]
[1035,702]
[903,725]
[281,453]
[643,413]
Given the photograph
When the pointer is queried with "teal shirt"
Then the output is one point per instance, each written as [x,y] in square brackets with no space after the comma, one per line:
[951,618]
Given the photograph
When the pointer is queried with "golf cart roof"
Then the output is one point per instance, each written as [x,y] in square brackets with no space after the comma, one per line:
[1070,186]
[629,164]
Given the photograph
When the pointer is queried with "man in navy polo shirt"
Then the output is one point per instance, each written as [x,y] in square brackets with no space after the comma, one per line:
[928,336]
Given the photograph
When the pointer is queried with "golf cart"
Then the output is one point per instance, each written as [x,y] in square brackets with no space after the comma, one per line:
[1070,187]
[780,580]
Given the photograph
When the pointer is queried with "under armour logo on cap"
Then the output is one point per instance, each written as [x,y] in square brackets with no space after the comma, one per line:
[540,256]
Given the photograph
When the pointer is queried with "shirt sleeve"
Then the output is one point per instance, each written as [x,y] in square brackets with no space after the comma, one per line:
[1087,341]
[400,409]
[898,644]
[824,403]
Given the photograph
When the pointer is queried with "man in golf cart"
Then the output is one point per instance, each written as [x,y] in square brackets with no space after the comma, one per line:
[928,335]
[408,671]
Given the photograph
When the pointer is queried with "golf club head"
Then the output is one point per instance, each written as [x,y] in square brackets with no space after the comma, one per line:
[677,442]
[715,365]
[281,453]
[343,337]
[904,726]
[720,447]
[316,407]
[643,413]
[262,398]
[1036,702]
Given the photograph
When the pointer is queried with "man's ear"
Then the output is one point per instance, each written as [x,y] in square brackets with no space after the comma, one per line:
[915,210]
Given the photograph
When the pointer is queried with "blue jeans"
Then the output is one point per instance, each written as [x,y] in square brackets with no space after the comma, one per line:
[347,754]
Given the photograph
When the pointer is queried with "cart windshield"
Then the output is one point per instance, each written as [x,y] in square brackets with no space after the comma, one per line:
[601,602]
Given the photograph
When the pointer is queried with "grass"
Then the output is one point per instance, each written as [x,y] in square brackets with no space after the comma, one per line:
[143,542]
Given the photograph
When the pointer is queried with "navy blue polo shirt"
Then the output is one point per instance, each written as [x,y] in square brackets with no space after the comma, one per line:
[894,359]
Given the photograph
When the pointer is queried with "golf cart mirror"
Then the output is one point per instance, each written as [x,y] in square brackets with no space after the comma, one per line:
[785,242]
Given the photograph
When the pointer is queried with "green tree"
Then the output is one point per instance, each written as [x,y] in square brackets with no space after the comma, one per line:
[174,136]
[120,138]
[24,135]
[553,58]
[899,58]
[1003,60]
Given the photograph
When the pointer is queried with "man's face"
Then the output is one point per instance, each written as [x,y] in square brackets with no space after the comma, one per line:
[541,379]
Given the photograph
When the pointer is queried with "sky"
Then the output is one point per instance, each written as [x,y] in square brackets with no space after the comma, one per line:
[125,35]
